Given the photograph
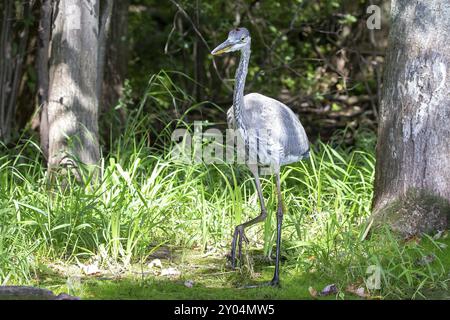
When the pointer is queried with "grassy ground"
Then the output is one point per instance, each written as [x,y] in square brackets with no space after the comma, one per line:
[98,239]
[212,279]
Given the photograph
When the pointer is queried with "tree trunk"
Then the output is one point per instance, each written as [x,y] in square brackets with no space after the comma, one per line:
[5,67]
[412,182]
[45,22]
[73,100]
[13,49]
[116,62]
[116,56]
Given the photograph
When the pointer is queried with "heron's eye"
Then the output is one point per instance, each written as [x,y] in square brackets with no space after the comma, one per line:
[243,38]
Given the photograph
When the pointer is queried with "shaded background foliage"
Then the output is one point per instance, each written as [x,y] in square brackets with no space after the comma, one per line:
[18,35]
[316,56]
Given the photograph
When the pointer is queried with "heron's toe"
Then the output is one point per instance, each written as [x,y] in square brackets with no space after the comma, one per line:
[275,283]
[244,237]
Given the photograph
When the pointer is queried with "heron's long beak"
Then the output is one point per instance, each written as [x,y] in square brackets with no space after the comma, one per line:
[222,48]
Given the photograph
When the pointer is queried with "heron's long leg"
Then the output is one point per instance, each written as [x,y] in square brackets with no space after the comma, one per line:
[276,280]
[239,230]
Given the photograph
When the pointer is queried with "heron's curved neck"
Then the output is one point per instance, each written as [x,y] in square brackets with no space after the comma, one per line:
[241,74]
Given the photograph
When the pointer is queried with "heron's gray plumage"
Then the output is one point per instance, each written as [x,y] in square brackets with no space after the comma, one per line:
[270,130]
[275,122]
[268,127]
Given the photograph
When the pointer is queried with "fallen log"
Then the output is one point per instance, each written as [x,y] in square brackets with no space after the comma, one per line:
[31,293]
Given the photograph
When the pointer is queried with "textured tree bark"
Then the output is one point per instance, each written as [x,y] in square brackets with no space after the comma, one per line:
[5,67]
[73,100]
[13,49]
[42,67]
[412,182]
[105,23]
[116,56]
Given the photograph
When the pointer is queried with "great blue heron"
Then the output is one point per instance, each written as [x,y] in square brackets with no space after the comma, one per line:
[278,136]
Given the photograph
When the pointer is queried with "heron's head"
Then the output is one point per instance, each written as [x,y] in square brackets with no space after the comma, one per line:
[237,39]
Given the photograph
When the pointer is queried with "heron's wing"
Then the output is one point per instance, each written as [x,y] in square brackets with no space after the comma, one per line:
[282,127]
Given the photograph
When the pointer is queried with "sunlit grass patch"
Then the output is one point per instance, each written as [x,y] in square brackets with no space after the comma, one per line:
[144,199]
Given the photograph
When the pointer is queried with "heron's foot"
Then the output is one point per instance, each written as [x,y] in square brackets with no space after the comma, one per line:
[242,237]
[239,236]
[275,282]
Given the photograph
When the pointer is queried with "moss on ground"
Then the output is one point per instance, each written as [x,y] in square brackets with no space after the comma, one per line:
[213,280]
[414,213]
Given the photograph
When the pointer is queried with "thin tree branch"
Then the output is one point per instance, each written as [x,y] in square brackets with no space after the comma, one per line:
[180,8]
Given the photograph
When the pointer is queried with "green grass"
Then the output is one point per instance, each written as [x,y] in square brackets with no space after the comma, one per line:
[144,199]
[209,283]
